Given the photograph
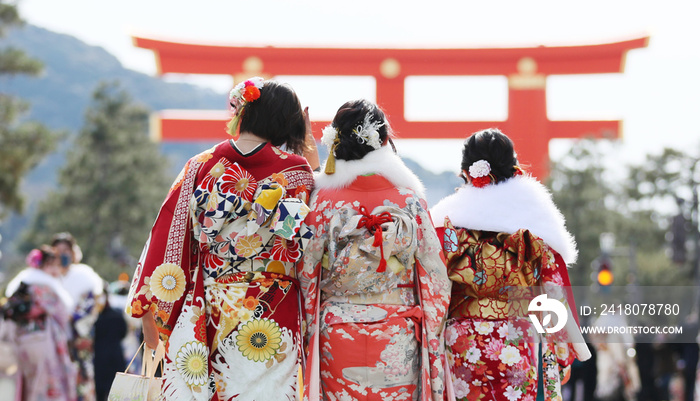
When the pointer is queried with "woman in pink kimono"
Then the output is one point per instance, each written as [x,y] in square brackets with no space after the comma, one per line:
[505,242]
[41,309]
[373,279]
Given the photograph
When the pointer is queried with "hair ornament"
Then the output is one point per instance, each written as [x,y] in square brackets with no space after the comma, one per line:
[34,258]
[480,173]
[331,139]
[330,133]
[246,91]
[368,133]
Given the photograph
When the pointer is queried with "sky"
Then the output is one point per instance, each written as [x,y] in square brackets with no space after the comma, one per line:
[657,96]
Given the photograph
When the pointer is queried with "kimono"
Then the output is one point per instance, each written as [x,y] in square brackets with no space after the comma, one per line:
[500,240]
[42,337]
[218,274]
[375,286]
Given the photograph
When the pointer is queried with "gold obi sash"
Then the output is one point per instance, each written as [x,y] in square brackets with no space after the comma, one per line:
[492,273]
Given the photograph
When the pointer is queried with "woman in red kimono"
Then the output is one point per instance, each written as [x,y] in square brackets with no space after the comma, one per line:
[373,279]
[216,278]
[501,232]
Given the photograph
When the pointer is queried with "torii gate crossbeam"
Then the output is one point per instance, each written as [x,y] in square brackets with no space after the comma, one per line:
[525,68]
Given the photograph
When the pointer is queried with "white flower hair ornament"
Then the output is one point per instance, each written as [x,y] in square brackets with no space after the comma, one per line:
[368,132]
[246,91]
[330,139]
[330,133]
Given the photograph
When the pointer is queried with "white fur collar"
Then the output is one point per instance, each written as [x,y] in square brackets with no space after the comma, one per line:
[34,276]
[520,202]
[382,161]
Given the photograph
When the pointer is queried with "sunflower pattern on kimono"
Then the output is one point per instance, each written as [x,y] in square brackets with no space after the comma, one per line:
[255,329]
[163,252]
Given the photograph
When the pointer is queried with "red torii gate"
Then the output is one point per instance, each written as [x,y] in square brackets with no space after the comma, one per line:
[525,68]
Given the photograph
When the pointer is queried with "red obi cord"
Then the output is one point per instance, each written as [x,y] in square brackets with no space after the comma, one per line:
[373,223]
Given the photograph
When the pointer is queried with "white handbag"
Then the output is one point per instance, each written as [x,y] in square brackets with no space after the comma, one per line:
[143,387]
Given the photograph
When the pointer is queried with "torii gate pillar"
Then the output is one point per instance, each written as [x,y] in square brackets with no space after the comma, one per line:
[526,69]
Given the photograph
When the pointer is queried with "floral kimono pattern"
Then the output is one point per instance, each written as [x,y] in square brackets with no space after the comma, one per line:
[492,349]
[221,283]
[376,294]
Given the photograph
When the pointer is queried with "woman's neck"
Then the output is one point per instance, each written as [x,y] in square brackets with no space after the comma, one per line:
[247,141]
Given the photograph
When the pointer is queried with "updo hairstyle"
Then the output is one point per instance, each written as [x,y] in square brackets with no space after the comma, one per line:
[496,148]
[349,116]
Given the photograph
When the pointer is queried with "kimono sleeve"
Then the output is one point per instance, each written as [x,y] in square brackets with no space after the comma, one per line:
[434,292]
[163,271]
[559,350]
[309,272]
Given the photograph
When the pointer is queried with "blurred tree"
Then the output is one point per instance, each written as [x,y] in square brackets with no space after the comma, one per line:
[671,179]
[110,188]
[589,195]
[23,144]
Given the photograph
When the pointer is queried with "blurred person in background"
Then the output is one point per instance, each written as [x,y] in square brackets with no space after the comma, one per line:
[40,307]
[110,330]
[118,291]
[618,376]
[84,286]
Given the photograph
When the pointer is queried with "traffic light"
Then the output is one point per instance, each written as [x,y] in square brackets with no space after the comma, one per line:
[605,275]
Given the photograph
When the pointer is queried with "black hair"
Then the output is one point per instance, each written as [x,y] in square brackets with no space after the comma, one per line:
[493,146]
[347,118]
[42,256]
[276,116]
[48,254]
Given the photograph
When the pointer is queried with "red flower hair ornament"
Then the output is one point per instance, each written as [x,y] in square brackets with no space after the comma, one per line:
[246,91]
[480,173]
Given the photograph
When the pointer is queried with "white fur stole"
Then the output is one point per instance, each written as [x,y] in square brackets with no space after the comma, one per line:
[382,161]
[518,203]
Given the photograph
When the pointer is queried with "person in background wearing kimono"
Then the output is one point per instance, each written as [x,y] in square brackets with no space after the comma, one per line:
[216,279]
[502,232]
[373,278]
[85,287]
[41,310]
